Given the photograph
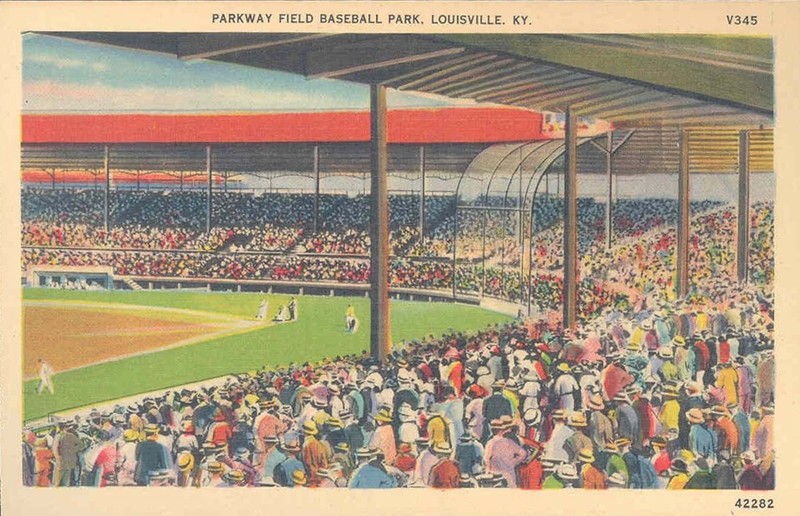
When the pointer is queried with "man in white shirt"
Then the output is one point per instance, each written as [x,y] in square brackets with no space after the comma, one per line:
[45,373]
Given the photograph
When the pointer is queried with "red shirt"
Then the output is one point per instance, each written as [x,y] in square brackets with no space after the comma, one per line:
[220,433]
[530,475]
[444,475]
[405,462]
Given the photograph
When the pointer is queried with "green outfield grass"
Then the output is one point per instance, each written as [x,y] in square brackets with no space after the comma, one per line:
[318,333]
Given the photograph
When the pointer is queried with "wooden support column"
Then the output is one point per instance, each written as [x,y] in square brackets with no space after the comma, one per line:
[380,336]
[316,188]
[422,193]
[609,187]
[210,190]
[483,252]
[571,220]
[106,191]
[682,261]
[743,233]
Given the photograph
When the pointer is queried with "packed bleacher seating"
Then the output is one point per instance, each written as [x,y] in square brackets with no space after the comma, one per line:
[268,237]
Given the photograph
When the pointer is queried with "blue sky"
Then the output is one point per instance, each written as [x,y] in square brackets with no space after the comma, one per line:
[65,75]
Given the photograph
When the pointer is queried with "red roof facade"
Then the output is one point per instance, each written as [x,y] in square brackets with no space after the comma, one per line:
[445,125]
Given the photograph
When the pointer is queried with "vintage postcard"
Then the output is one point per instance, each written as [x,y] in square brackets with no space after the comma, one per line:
[484,253]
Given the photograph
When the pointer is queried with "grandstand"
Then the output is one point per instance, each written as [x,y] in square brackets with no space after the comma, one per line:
[203,217]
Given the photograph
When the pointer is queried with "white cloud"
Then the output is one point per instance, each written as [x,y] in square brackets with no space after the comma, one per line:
[46,95]
[66,62]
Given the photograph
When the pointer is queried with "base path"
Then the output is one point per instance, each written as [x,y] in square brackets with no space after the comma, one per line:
[71,335]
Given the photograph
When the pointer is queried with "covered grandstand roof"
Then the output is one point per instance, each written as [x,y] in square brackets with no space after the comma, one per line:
[629,80]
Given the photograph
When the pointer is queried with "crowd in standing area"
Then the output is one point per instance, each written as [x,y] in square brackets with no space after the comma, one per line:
[669,395]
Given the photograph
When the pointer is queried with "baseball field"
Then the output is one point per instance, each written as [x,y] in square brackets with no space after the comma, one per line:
[106,345]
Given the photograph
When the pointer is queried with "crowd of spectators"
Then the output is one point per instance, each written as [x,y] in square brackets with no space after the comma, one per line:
[667,395]
[157,238]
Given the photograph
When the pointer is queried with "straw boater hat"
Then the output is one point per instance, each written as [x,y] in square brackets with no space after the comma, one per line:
[384,416]
[159,474]
[291,446]
[267,482]
[658,441]
[665,352]
[299,477]
[334,422]
[616,479]
[679,341]
[366,452]
[342,447]
[563,367]
[719,411]
[632,346]
[586,455]
[596,402]
[271,439]
[567,472]
[611,446]
[532,416]
[497,424]
[310,428]
[330,472]
[670,391]
[234,476]
[268,404]
[150,429]
[622,441]
[319,402]
[559,414]
[578,419]
[185,462]
[214,467]
[129,435]
[695,415]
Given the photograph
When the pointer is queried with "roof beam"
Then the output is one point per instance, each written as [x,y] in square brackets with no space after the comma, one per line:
[500,91]
[629,97]
[579,96]
[441,73]
[432,86]
[691,112]
[527,72]
[224,50]
[516,70]
[648,107]
[410,58]
[539,96]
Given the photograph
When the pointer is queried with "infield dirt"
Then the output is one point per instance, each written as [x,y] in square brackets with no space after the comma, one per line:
[71,336]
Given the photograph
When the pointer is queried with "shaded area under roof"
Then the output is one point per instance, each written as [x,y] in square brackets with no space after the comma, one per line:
[641,151]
